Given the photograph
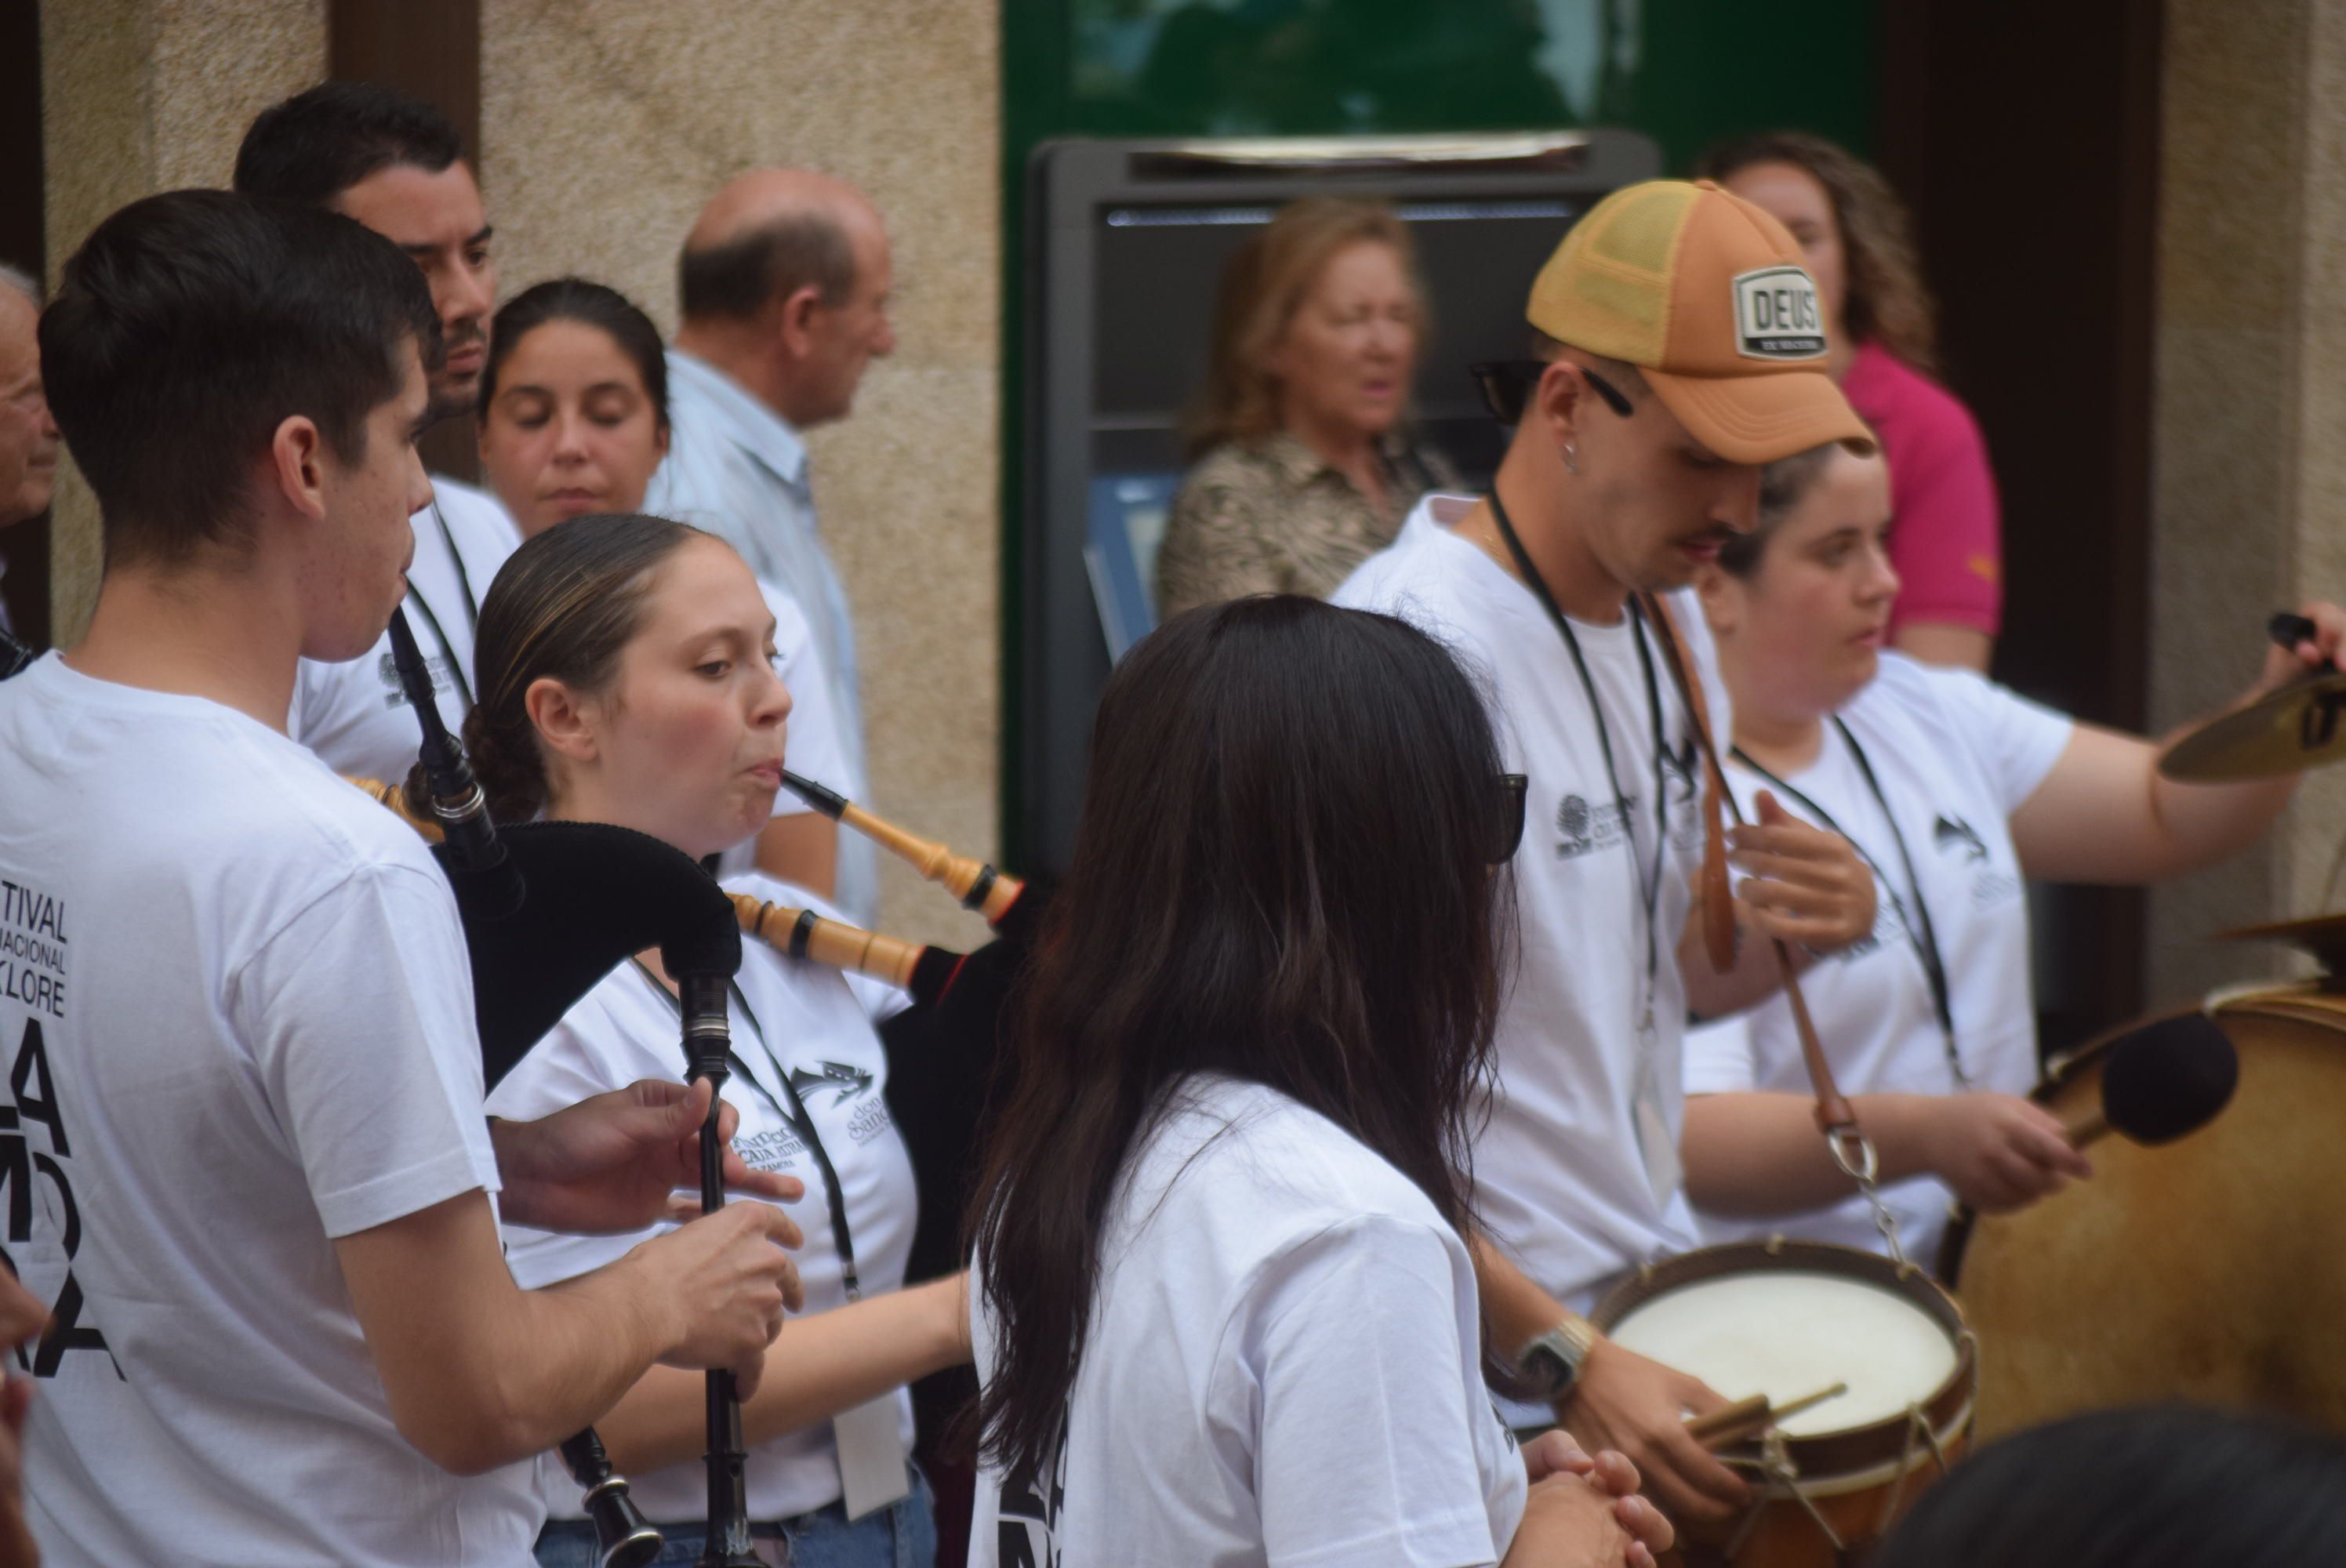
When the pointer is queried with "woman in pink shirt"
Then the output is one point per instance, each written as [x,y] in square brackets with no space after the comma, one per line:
[1854,232]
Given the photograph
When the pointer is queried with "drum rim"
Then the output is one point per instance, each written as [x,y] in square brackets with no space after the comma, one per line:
[1947,1411]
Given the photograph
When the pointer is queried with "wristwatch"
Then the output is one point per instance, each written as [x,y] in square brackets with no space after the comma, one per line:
[1551,1362]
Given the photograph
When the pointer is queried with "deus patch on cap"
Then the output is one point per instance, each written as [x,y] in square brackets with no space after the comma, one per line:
[1776,315]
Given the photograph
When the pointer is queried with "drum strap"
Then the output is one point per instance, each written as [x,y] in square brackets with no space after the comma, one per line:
[1835,1118]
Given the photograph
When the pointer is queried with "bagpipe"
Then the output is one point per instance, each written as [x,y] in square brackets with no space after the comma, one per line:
[550,908]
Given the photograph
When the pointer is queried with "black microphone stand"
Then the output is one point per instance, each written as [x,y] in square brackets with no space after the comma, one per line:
[624,1538]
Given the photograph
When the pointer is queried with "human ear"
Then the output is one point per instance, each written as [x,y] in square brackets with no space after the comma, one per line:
[566,723]
[795,318]
[1556,401]
[297,465]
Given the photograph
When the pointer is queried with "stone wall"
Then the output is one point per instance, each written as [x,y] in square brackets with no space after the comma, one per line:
[137,96]
[604,126]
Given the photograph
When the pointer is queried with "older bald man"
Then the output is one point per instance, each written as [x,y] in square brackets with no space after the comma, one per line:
[28,436]
[783,286]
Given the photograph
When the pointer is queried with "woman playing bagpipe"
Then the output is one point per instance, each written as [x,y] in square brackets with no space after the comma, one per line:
[625,678]
[1225,1315]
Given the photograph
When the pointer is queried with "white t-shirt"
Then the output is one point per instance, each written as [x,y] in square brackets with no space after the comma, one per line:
[239,1021]
[1284,1365]
[1577,1173]
[1956,755]
[354,714]
[812,1033]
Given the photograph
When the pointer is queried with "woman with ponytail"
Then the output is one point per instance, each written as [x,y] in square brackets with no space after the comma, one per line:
[626,677]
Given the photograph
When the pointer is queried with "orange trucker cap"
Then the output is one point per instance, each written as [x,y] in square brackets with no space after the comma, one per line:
[1706,294]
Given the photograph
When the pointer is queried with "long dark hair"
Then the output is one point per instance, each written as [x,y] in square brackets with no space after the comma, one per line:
[1279,875]
[590,304]
[564,605]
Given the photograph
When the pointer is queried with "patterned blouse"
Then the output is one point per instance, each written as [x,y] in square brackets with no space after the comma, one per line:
[1271,517]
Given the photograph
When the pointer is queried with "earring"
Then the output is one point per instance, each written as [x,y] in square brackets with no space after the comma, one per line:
[1571,459]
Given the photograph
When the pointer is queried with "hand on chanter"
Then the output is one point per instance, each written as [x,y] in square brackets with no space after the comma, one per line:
[2284,665]
[726,1282]
[1623,1401]
[1609,1473]
[617,1161]
[1802,885]
[1999,1152]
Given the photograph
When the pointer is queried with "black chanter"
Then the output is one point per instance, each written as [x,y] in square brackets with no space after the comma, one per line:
[490,889]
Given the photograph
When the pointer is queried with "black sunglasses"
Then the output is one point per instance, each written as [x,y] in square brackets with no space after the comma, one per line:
[1507,819]
[1506,385]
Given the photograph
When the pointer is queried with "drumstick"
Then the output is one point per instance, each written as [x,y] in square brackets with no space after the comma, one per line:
[1746,1417]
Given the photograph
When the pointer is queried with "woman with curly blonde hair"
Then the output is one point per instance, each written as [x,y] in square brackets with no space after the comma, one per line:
[1300,464]
[1858,243]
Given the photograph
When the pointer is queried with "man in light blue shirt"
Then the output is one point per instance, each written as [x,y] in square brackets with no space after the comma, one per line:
[783,290]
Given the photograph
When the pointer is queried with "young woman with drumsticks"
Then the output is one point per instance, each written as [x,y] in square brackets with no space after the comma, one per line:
[1226,1313]
[1956,791]
[625,678]
[574,420]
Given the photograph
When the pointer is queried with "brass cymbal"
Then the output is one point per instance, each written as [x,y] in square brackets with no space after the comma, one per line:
[2322,936]
[2296,728]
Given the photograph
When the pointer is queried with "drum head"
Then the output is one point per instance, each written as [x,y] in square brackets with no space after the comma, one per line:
[1788,1318]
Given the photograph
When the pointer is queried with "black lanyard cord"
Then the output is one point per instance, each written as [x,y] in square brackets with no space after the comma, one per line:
[1649,888]
[798,1118]
[472,610]
[1921,935]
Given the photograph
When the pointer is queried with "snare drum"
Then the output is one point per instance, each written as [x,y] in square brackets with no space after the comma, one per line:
[1786,1319]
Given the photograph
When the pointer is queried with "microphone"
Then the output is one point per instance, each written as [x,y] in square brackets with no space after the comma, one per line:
[2161,1081]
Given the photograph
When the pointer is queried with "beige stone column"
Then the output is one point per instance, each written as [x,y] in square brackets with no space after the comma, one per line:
[2250,470]
[603,129]
[137,96]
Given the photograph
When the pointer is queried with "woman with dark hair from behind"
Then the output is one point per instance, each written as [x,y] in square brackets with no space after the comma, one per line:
[1859,245]
[2163,1488]
[1225,1312]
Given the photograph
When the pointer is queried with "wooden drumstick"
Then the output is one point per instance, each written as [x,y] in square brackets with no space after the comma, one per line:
[976,884]
[1751,1415]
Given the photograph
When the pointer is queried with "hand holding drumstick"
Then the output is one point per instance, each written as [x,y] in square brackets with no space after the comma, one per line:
[1739,1420]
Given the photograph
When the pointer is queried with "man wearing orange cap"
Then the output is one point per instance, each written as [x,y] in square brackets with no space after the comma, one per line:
[1680,348]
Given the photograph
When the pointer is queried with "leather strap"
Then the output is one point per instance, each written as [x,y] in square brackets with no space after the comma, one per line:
[1835,1117]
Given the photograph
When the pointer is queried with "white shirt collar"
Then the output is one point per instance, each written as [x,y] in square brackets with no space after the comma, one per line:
[765,434]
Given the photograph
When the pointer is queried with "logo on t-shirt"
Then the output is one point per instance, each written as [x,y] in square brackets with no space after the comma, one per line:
[1954,834]
[1776,315]
[1583,825]
[1990,882]
[37,1181]
[1029,1511]
[396,695]
[1678,770]
[844,1082]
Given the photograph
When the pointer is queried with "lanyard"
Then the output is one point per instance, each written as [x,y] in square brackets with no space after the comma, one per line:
[1921,935]
[472,610]
[797,1115]
[1649,887]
